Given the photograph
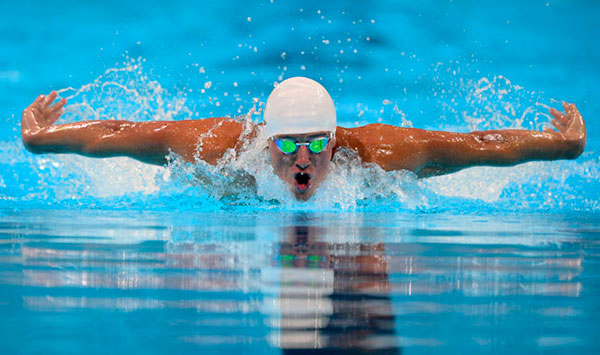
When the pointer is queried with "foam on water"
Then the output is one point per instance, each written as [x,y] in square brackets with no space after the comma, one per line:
[246,179]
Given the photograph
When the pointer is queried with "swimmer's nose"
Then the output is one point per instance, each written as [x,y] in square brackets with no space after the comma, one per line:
[303,158]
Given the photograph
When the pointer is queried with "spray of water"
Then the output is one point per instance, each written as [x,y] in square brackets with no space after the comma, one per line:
[245,179]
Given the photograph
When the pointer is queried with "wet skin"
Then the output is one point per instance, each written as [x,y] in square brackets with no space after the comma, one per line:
[302,170]
[424,152]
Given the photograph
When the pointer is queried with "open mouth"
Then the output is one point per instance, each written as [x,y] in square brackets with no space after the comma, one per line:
[302,181]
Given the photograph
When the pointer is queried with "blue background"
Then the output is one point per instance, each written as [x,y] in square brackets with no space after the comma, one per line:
[548,46]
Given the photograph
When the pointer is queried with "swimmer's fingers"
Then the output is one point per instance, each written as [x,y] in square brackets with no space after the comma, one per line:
[559,117]
[51,118]
[558,125]
[572,112]
[55,111]
[42,112]
[59,105]
[576,124]
[38,101]
[48,100]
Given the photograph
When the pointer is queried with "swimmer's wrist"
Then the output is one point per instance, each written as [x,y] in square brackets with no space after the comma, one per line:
[573,148]
[33,139]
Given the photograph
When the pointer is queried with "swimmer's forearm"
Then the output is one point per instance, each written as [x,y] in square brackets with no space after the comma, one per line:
[99,139]
[448,152]
[456,151]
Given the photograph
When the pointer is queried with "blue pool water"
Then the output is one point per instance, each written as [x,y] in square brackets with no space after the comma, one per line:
[113,255]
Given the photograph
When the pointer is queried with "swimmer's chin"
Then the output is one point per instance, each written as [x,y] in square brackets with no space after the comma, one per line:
[303,194]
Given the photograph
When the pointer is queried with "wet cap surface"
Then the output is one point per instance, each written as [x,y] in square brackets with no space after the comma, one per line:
[299,105]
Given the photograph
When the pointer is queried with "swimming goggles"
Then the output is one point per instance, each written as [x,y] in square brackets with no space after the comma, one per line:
[290,146]
[313,261]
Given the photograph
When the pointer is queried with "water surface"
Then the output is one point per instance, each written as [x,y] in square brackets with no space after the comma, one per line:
[93,281]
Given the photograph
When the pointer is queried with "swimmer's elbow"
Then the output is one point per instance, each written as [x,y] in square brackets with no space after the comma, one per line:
[104,137]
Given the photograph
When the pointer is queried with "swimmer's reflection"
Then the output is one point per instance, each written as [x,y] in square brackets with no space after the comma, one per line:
[334,297]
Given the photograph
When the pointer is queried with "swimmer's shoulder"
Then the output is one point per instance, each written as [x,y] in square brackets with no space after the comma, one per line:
[222,128]
[213,135]
[373,135]
[391,147]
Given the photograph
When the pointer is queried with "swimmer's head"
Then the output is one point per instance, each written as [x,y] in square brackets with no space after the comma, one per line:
[300,122]
[299,105]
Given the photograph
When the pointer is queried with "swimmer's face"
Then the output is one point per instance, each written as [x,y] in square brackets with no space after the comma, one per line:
[302,170]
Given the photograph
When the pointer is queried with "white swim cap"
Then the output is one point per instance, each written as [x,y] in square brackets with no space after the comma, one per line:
[299,105]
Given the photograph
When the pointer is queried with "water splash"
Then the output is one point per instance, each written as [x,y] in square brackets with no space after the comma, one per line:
[244,179]
[124,93]
[482,103]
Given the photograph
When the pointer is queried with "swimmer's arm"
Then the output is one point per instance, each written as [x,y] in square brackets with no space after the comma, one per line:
[149,142]
[449,152]
[429,153]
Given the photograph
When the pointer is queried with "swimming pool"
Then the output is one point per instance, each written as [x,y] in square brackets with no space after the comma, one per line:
[112,254]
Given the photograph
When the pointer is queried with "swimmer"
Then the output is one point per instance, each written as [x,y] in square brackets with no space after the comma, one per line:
[303,136]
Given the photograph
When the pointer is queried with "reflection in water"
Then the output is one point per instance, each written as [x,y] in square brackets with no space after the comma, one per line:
[299,285]
[333,296]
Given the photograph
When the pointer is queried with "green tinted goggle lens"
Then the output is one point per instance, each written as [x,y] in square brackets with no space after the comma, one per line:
[288,146]
[292,257]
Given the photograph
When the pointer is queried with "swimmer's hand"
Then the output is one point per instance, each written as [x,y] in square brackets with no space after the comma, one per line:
[570,130]
[42,113]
